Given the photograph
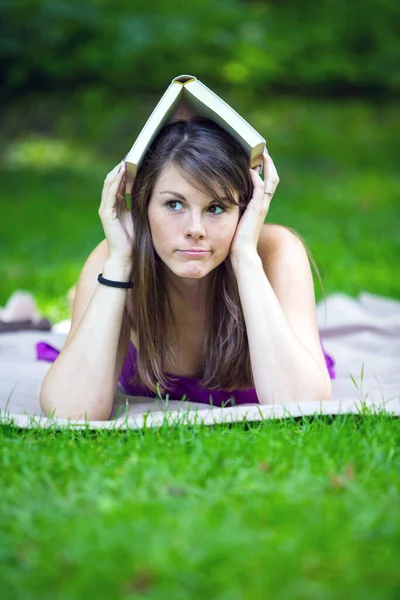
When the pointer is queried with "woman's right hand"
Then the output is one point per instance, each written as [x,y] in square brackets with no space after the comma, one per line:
[115,216]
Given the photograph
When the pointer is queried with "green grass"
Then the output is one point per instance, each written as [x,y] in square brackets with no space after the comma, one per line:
[301,508]
[285,509]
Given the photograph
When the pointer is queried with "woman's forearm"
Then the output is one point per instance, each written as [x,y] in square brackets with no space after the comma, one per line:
[283,370]
[80,383]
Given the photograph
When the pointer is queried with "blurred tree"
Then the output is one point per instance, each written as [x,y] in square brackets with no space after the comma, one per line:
[329,47]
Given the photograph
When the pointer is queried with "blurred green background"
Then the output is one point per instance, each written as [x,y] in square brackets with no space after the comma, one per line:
[320,81]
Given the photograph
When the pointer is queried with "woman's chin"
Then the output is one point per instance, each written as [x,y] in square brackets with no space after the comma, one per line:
[192,273]
[194,269]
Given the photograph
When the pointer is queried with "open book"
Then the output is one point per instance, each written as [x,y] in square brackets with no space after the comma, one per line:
[185,97]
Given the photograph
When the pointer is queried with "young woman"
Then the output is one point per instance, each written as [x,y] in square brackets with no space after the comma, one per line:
[191,293]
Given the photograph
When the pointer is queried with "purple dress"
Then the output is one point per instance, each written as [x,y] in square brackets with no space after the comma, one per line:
[188,386]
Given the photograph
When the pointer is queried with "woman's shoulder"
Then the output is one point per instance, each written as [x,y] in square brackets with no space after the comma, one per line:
[275,242]
[101,250]
[271,235]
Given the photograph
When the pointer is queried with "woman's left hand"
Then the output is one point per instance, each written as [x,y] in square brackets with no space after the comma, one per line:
[249,227]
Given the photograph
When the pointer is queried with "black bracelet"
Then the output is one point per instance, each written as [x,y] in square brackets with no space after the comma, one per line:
[117,284]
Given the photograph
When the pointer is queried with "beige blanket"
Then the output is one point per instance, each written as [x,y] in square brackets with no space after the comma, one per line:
[357,332]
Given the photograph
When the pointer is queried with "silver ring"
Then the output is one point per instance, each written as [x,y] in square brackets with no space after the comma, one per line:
[270,193]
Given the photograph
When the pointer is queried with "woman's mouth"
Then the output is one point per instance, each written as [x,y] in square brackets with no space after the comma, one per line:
[195,253]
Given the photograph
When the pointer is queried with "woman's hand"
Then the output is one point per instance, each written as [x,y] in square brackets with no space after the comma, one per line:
[115,216]
[249,227]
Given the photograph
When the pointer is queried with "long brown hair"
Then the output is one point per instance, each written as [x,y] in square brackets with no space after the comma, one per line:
[214,162]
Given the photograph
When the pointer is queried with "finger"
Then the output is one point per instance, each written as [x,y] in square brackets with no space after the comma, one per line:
[271,181]
[260,201]
[258,190]
[256,179]
[111,188]
[271,178]
[121,189]
[121,199]
[271,167]
[261,170]
[112,174]
[116,183]
[109,194]
[117,168]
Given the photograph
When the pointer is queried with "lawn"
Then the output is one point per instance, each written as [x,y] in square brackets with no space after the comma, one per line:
[302,508]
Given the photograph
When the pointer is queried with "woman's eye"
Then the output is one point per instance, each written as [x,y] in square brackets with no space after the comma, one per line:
[216,206]
[172,202]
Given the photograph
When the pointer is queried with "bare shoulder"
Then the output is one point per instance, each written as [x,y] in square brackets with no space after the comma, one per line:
[274,237]
[100,251]
[93,263]
[81,294]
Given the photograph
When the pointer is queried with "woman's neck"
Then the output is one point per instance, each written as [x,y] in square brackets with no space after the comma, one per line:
[188,297]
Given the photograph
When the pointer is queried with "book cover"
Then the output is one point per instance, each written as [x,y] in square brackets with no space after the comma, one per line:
[186,96]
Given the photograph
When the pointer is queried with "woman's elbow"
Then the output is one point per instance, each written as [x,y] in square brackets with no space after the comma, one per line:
[64,410]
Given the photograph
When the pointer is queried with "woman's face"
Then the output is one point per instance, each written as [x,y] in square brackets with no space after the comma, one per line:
[183,218]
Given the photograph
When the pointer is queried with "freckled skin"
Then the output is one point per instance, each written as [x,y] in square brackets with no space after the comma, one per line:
[196,223]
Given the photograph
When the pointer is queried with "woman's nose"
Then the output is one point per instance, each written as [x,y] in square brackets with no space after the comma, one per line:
[195,233]
[195,227]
